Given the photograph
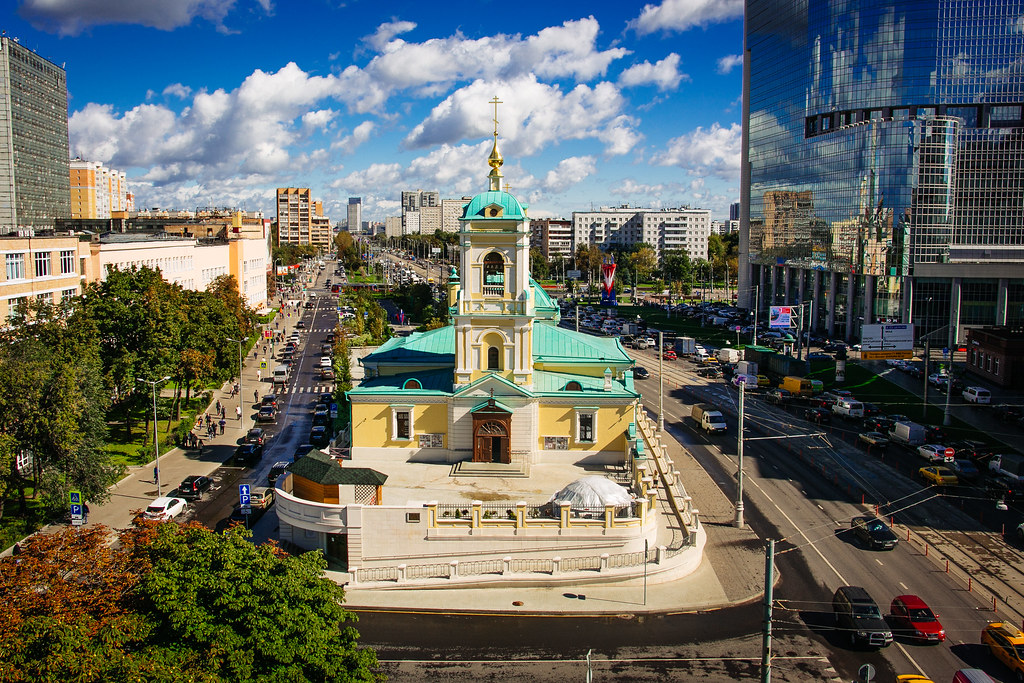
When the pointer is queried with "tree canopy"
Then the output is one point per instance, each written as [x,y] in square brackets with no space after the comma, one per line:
[173,603]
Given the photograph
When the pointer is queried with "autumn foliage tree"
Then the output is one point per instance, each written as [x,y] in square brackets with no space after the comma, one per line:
[172,603]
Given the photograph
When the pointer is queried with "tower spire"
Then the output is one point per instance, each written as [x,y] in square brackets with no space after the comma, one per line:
[495,159]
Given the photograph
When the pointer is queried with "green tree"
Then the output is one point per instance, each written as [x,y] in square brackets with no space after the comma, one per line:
[540,268]
[644,261]
[675,265]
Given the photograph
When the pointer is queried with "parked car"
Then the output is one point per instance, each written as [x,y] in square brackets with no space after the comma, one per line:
[933,452]
[969,449]
[938,476]
[319,437]
[325,362]
[913,618]
[248,453]
[261,497]
[266,414]
[193,488]
[300,324]
[877,424]
[640,373]
[276,470]
[1006,643]
[818,355]
[876,440]
[165,508]
[269,400]
[669,355]
[873,532]
[870,409]
[256,435]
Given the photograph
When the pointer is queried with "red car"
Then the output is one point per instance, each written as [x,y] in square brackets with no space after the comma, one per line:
[913,618]
[670,355]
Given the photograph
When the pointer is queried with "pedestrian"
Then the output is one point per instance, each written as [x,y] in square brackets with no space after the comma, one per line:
[256,395]
[156,474]
[223,412]
[218,405]
[238,413]
[255,354]
[259,375]
[200,446]
[223,423]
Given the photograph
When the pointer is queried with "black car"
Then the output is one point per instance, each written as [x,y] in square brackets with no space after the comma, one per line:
[248,453]
[819,415]
[326,398]
[302,451]
[640,373]
[933,434]
[319,436]
[266,414]
[269,400]
[193,488]
[858,618]
[1004,488]
[321,420]
[256,435]
[968,449]
[300,324]
[873,532]
[878,424]
[276,470]
[871,410]
[710,373]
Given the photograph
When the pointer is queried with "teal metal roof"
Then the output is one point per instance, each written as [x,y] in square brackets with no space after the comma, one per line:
[552,344]
[492,404]
[510,207]
[547,383]
[435,347]
[434,383]
[545,308]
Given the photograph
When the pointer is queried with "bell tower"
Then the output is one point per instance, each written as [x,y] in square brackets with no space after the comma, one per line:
[494,309]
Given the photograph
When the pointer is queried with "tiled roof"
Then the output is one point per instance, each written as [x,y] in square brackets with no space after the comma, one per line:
[433,382]
[546,383]
[554,344]
[321,468]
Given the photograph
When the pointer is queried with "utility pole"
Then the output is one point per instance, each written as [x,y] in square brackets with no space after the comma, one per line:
[949,388]
[577,317]
[661,384]
[766,633]
[800,332]
[738,521]
[927,358]
[757,295]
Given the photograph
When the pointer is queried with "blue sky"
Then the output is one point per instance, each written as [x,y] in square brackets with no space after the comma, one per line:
[218,102]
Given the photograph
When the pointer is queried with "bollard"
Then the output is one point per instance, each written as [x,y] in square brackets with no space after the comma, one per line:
[861,498]
[993,603]
[926,550]
[876,509]
[892,521]
[970,583]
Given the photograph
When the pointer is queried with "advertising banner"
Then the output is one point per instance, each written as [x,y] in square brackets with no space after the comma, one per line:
[887,341]
[608,284]
[780,316]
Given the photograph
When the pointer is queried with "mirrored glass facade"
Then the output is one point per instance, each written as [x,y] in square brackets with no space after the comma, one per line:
[884,160]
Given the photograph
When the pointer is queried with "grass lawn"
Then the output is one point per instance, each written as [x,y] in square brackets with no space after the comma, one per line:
[137,448]
[15,526]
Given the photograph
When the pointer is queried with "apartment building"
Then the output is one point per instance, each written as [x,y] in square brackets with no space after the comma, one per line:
[553,236]
[34,160]
[97,191]
[46,268]
[624,226]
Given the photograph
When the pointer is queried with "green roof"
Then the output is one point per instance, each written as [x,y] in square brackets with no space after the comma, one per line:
[552,344]
[511,209]
[433,382]
[435,347]
[321,468]
[545,308]
[546,382]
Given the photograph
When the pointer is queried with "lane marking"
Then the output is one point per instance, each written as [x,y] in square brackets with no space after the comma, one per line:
[879,562]
[904,586]
[909,658]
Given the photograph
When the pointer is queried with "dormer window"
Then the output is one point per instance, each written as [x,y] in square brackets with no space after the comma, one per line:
[573,386]
[412,384]
[494,274]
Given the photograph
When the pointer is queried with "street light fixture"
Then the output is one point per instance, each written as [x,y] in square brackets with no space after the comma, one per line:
[239,342]
[156,440]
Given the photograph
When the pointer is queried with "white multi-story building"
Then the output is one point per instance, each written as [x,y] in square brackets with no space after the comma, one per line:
[410,222]
[451,212]
[686,229]
[393,226]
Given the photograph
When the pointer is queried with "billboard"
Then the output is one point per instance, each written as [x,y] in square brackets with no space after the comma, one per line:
[573,274]
[887,341]
[780,316]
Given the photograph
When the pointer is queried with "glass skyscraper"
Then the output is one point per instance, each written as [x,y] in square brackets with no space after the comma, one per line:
[35,180]
[883,154]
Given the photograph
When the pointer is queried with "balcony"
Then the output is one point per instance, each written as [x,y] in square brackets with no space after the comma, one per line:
[494,290]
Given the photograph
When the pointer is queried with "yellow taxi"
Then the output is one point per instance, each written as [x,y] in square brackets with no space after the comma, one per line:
[913,678]
[763,381]
[1006,643]
[938,476]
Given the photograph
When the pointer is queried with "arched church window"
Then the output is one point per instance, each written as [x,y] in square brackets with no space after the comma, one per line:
[412,384]
[573,386]
[493,359]
[494,274]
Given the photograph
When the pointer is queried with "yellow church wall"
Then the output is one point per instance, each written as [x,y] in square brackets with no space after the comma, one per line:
[560,420]
[372,428]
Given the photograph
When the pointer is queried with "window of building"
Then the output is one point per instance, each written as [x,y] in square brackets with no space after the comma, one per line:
[494,272]
[67,262]
[412,384]
[401,423]
[585,426]
[573,386]
[42,263]
[16,306]
[493,358]
[46,298]
[556,443]
[68,294]
[995,366]
[15,266]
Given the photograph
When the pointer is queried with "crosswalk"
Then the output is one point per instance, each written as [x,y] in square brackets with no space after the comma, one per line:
[316,389]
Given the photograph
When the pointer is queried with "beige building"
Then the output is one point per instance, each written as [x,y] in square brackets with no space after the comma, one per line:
[393,226]
[553,236]
[49,269]
[97,191]
[451,212]
[300,218]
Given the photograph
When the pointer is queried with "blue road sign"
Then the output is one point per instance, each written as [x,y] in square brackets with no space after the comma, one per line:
[243,489]
[75,497]
[76,510]
[945,352]
[244,500]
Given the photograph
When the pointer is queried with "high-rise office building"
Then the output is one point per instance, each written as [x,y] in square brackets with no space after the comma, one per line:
[734,211]
[34,161]
[882,175]
[355,214]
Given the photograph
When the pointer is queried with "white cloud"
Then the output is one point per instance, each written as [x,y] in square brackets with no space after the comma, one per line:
[680,15]
[359,135]
[177,90]
[538,115]
[714,151]
[386,31]
[629,188]
[72,17]
[568,172]
[729,62]
[318,119]
[664,74]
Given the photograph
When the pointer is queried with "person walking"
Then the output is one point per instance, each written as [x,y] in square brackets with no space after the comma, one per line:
[200,446]
[238,413]
[256,395]
[223,423]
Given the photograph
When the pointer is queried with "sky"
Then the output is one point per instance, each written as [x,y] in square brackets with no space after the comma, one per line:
[218,102]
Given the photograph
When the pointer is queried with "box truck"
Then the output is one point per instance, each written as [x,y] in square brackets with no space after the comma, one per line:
[1010,465]
[908,434]
[727,355]
[685,346]
[708,417]
[801,386]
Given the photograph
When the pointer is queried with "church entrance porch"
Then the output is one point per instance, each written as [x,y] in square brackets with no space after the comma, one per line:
[492,429]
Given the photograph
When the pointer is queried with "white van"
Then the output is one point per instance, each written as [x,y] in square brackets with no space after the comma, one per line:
[281,374]
[847,407]
[977,395]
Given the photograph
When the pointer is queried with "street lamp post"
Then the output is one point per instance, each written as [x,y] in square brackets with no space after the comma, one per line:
[239,342]
[156,439]
[738,521]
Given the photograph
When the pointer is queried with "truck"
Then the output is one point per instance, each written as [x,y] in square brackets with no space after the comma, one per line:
[909,434]
[747,367]
[801,386]
[1008,465]
[727,355]
[708,417]
[685,346]
[629,328]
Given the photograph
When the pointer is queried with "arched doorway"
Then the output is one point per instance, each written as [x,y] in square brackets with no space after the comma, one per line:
[492,428]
